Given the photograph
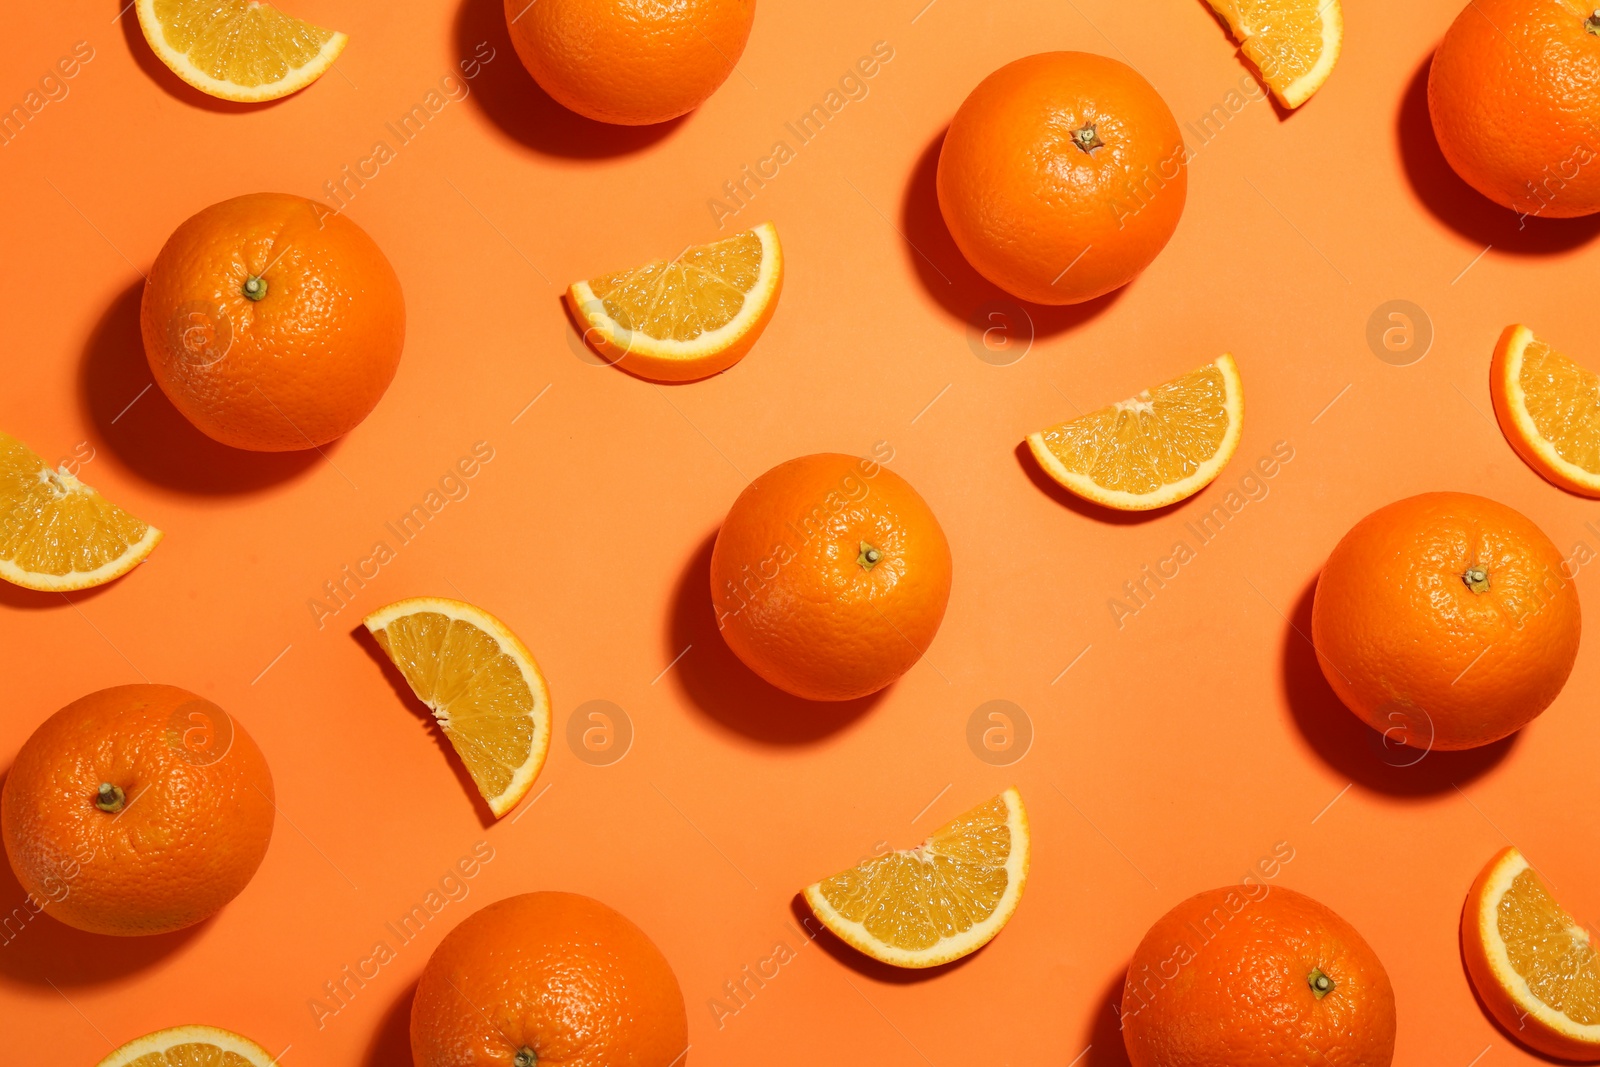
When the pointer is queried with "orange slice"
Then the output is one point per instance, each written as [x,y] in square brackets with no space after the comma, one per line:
[688,317]
[1532,966]
[480,682]
[1293,44]
[245,50]
[57,534]
[1155,449]
[942,900]
[190,1046]
[1549,409]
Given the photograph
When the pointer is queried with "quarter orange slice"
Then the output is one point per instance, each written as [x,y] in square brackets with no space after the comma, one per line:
[245,50]
[1533,967]
[481,684]
[688,317]
[1293,44]
[1549,409]
[935,903]
[1155,449]
[57,534]
[190,1046]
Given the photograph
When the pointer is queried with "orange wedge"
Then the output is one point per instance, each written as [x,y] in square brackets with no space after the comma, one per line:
[1549,409]
[1293,44]
[57,534]
[1533,967]
[190,1046]
[244,50]
[1155,449]
[688,317]
[935,903]
[481,684]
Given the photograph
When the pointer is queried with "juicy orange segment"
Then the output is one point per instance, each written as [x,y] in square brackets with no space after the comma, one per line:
[1549,409]
[1533,966]
[190,1046]
[1292,43]
[937,902]
[57,534]
[244,50]
[1151,450]
[480,682]
[688,317]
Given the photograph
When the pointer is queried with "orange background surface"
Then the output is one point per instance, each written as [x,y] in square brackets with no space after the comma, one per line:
[1179,749]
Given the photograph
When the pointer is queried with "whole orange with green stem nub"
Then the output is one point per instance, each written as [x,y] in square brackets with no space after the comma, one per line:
[1446,621]
[548,980]
[1253,975]
[1062,176]
[1514,93]
[272,323]
[139,809]
[630,62]
[830,576]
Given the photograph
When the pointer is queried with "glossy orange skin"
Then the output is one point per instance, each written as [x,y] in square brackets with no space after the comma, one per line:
[1023,200]
[792,600]
[630,62]
[299,367]
[1514,91]
[194,827]
[558,973]
[1401,637]
[1238,992]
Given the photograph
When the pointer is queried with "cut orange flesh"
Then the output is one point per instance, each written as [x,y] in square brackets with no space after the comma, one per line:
[937,902]
[688,317]
[481,684]
[1549,409]
[1532,965]
[190,1046]
[1154,449]
[1292,43]
[244,50]
[57,534]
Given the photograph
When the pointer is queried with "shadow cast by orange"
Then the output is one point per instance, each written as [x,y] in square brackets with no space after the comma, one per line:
[37,950]
[147,433]
[1351,747]
[859,962]
[1087,508]
[1105,1046]
[402,691]
[947,276]
[515,103]
[1461,207]
[719,685]
[391,1041]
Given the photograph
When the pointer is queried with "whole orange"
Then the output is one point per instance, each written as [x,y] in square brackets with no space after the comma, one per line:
[1062,176]
[1514,92]
[1445,621]
[1256,976]
[830,576]
[553,979]
[272,323]
[139,809]
[630,62]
